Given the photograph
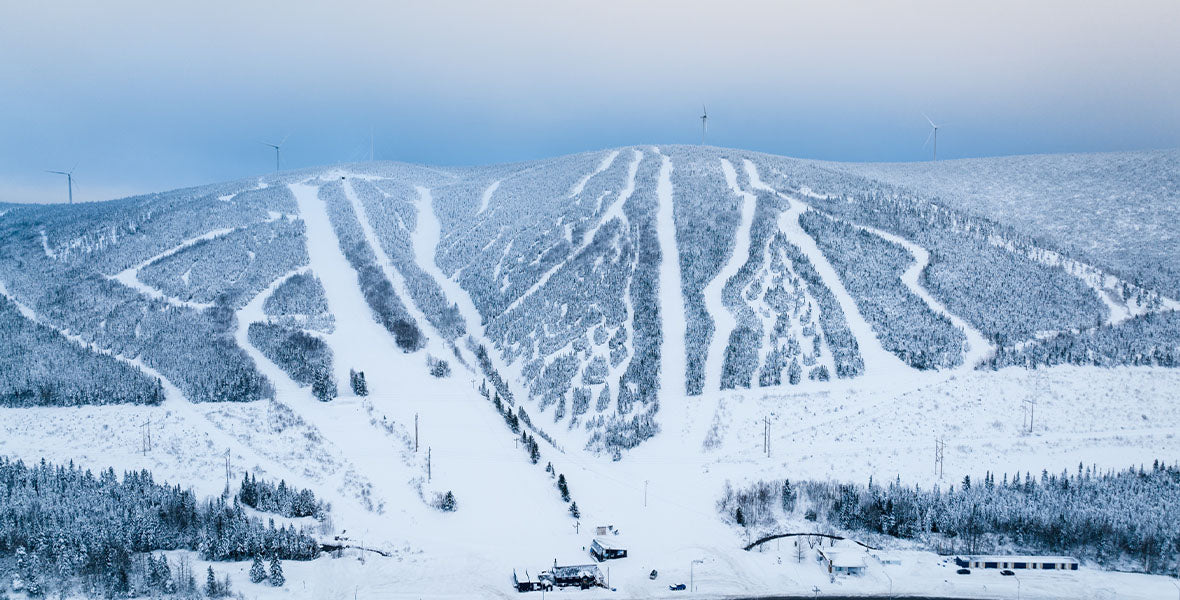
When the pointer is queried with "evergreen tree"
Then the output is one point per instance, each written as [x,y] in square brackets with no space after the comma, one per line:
[257,570]
[563,487]
[357,381]
[211,584]
[739,518]
[322,386]
[574,512]
[448,502]
[276,572]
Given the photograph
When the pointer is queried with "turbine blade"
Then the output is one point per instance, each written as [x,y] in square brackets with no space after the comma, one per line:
[929,121]
[928,136]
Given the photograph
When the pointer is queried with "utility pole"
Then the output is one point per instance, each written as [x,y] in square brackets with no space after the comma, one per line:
[146,434]
[1030,409]
[227,471]
[644,493]
[939,448]
[766,435]
[428,463]
[415,433]
[577,527]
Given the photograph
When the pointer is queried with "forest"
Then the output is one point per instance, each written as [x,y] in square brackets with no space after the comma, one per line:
[41,367]
[871,268]
[78,530]
[1122,519]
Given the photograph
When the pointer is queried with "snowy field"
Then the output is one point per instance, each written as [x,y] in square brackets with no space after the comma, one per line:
[384,460]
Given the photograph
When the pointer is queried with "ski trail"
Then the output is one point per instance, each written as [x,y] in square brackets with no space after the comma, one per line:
[673,356]
[472,452]
[130,277]
[723,318]
[435,342]
[486,198]
[358,342]
[355,325]
[425,240]
[607,161]
[615,209]
[978,347]
[878,361]
[286,389]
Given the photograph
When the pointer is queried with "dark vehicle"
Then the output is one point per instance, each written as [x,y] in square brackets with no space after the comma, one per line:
[964,571]
[1007,573]
[680,587]
[654,574]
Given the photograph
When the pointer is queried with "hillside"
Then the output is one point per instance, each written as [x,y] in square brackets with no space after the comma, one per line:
[625,315]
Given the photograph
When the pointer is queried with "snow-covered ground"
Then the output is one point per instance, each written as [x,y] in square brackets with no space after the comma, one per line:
[359,453]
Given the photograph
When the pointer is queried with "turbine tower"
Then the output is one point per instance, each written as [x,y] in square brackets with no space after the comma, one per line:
[69,180]
[933,134]
[704,123]
[278,149]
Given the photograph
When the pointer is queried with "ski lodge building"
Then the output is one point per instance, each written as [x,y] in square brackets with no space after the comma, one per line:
[1041,563]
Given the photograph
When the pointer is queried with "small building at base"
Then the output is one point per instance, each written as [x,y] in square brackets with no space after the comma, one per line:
[1040,563]
[603,549]
[843,559]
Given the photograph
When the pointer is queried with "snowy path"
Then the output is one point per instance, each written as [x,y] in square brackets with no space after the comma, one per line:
[130,277]
[879,362]
[672,355]
[435,342]
[978,347]
[487,195]
[613,211]
[607,161]
[724,319]
[425,240]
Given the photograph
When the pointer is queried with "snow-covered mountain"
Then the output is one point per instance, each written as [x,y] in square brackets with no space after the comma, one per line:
[609,311]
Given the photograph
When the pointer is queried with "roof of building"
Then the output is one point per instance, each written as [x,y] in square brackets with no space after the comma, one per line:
[1020,558]
[576,571]
[846,560]
[608,544]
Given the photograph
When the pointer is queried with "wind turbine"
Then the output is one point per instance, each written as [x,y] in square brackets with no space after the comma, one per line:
[69,179]
[933,134]
[278,149]
[704,123]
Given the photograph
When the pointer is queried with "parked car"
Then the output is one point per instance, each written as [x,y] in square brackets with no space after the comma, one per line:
[964,571]
[1007,573]
[654,574]
[680,587]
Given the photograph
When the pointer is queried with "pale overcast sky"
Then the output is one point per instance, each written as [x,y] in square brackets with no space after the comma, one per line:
[145,96]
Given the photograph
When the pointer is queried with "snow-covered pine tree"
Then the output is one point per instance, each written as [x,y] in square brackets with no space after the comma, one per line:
[356,380]
[574,512]
[276,572]
[322,386]
[257,570]
[563,487]
[211,584]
